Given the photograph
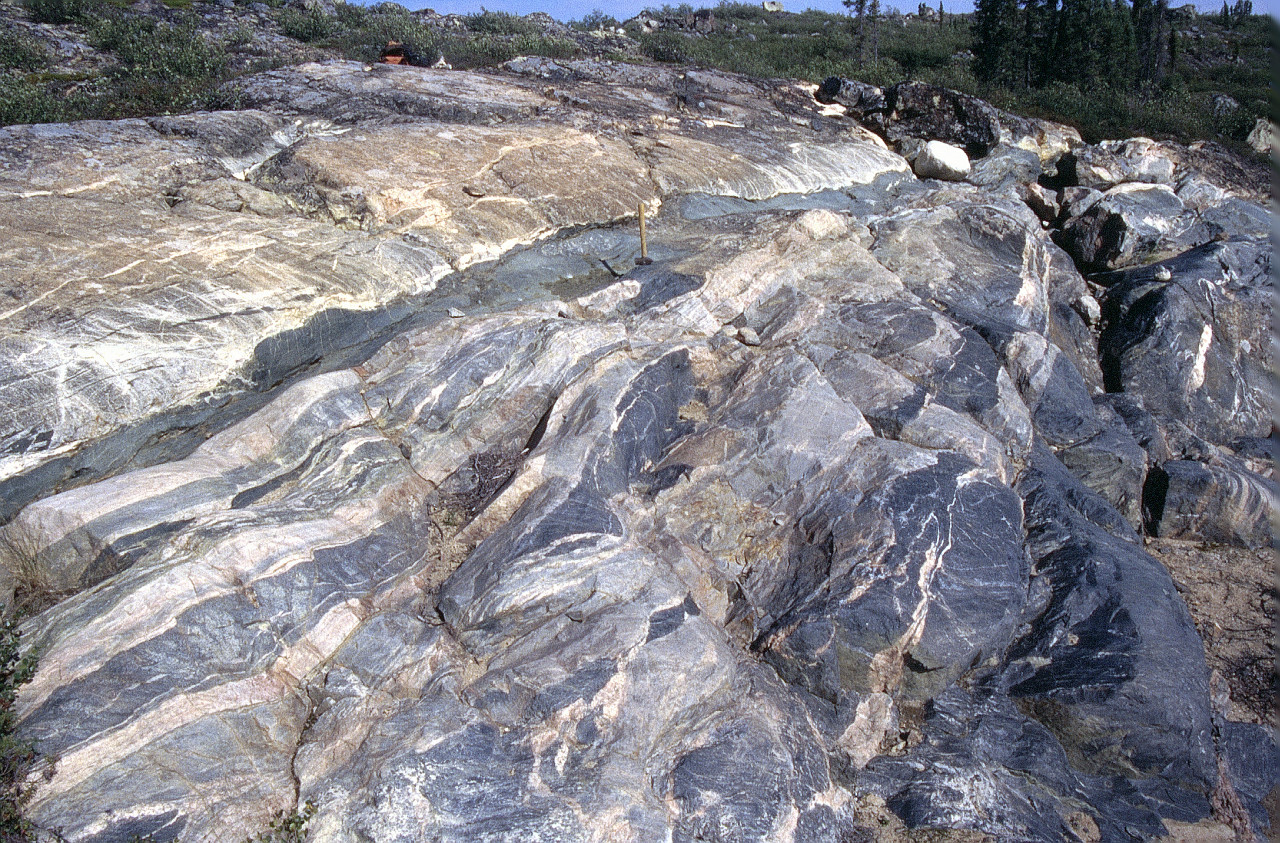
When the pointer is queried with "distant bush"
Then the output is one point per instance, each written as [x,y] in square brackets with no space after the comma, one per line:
[491,39]
[58,11]
[19,52]
[25,100]
[487,51]
[161,67]
[308,26]
[666,47]
[500,23]
[156,51]
[743,12]
[352,15]
[366,41]
[594,20]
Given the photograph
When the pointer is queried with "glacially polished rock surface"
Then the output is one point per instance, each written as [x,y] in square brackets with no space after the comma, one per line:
[363,466]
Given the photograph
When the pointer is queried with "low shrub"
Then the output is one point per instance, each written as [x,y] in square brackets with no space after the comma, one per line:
[20,52]
[308,26]
[352,15]
[500,23]
[594,20]
[16,755]
[42,98]
[490,51]
[58,11]
[287,828]
[366,42]
[161,67]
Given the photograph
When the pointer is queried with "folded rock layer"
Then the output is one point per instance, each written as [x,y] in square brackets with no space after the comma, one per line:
[364,467]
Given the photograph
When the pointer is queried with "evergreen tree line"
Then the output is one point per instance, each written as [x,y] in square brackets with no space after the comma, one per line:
[866,27]
[1033,43]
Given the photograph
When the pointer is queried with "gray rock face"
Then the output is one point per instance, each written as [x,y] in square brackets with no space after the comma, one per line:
[1130,224]
[1187,346]
[120,386]
[1223,504]
[388,481]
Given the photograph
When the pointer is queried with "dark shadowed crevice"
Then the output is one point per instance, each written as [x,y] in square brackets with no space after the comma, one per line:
[1154,491]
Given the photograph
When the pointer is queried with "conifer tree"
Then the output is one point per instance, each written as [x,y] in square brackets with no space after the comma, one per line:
[996,30]
[873,15]
[1125,48]
[1144,25]
[1080,37]
[859,9]
[1159,42]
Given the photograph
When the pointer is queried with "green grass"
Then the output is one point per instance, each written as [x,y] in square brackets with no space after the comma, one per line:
[501,23]
[16,669]
[308,26]
[361,34]
[812,46]
[165,68]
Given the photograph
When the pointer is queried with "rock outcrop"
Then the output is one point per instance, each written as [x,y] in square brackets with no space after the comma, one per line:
[352,459]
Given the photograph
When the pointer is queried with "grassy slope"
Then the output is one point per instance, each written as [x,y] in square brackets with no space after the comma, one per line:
[156,67]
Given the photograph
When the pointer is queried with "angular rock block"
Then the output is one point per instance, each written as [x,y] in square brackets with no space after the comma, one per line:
[1222,504]
[1188,346]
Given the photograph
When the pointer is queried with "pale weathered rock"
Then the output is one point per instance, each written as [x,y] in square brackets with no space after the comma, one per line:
[1262,136]
[979,254]
[1006,169]
[938,160]
[173,186]
[1047,139]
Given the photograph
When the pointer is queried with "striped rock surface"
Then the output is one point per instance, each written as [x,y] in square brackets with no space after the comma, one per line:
[374,474]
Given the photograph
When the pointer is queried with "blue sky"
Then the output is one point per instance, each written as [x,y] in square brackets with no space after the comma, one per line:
[573,9]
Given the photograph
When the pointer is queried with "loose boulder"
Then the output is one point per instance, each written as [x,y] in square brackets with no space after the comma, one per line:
[918,110]
[1262,136]
[930,112]
[940,160]
[859,98]
[1223,503]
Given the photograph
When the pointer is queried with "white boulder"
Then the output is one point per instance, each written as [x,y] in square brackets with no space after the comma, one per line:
[940,160]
